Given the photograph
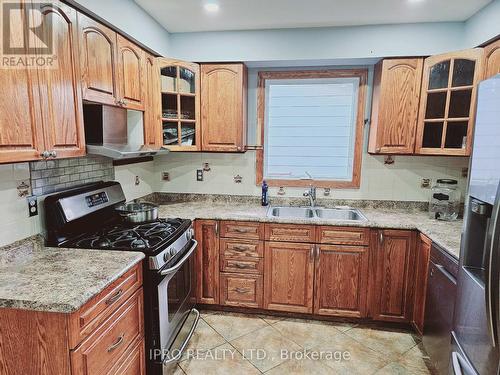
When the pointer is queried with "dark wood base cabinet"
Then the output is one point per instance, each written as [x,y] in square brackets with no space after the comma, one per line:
[341,281]
[289,276]
[393,254]
[340,272]
[105,336]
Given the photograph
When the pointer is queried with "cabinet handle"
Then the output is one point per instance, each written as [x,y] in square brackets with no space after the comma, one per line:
[241,248]
[241,290]
[216,228]
[114,297]
[45,154]
[381,237]
[124,102]
[317,252]
[239,230]
[53,154]
[311,253]
[117,343]
[243,266]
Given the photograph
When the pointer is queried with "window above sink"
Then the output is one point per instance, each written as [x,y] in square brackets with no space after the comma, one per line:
[311,127]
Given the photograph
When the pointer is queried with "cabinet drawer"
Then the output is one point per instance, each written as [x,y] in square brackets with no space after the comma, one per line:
[94,312]
[242,265]
[241,229]
[241,290]
[132,362]
[290,233]
[241,248]
[343,235]
[102,350]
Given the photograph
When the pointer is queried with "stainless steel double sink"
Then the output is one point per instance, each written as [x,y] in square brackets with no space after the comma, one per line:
[339,213]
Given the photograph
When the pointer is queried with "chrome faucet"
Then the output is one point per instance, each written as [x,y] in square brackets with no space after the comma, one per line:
[311,193]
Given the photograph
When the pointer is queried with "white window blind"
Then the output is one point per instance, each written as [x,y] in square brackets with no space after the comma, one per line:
[310,127]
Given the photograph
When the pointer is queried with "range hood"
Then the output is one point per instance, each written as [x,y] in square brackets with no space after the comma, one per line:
[116,133]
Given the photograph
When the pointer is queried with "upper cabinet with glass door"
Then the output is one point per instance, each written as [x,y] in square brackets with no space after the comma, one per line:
[180,104]
[447,103]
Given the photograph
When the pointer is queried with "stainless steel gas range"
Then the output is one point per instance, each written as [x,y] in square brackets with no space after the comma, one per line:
[85,217]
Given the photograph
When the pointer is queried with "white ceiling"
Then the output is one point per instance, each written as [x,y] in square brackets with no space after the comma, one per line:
[189,15]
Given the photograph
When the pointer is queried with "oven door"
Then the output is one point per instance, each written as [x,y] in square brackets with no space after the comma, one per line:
[177,317]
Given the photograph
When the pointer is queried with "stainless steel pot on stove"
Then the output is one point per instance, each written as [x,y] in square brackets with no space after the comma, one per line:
[137,212]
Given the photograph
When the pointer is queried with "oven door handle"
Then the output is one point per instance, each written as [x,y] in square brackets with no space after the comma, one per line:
[180,353]
[179,264]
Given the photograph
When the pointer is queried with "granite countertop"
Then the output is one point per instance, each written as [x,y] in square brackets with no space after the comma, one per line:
[35,277]
[390,215]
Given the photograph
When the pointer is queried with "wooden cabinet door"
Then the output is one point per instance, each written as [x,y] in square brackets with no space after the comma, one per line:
[423,251]
[394,271]
[97,61]
[21,132]
[396,96]
[288,277]
[492,54]
[448,102]
[131,75]
[152,110]
[341,281]
[180,104]
[207,261]
[223,107]
[60,89]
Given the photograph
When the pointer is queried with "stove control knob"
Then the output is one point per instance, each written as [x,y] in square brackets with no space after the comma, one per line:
[169,254]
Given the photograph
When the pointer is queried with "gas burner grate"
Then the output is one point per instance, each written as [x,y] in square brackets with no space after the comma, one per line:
[141,236]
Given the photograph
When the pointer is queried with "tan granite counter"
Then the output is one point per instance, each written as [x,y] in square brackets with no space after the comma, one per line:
[35,277]
[445,234]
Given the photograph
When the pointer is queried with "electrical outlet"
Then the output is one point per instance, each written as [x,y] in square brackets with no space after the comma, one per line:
[199,175]
[165,176]
[426,183]
[32,205]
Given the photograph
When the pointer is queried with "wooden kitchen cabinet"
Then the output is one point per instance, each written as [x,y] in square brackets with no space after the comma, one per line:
[60,89]
[112,67]
[98,61]
[396,94]
[132,85]
[423,251]
[109,343]
[492,55]
[289,276]
[180,104]
[341,281]
[448,102]
[392,291]
[153,136]
[207,261]
[242,290]
[105,336]
[41,108]
[223,107]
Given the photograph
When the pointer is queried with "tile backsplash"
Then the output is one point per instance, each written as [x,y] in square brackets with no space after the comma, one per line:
[54,175]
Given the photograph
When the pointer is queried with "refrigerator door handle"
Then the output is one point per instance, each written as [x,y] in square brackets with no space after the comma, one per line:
[460,366]
[492,272]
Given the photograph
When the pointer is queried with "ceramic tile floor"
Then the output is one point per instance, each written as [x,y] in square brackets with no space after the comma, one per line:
[229,343]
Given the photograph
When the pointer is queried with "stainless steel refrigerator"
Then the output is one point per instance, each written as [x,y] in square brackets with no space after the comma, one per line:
[476,325]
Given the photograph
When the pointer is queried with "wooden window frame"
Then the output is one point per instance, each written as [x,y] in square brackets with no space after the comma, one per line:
[362,74]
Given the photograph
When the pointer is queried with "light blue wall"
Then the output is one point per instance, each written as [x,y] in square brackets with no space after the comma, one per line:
[319,43]
[484,25]
[129,17]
